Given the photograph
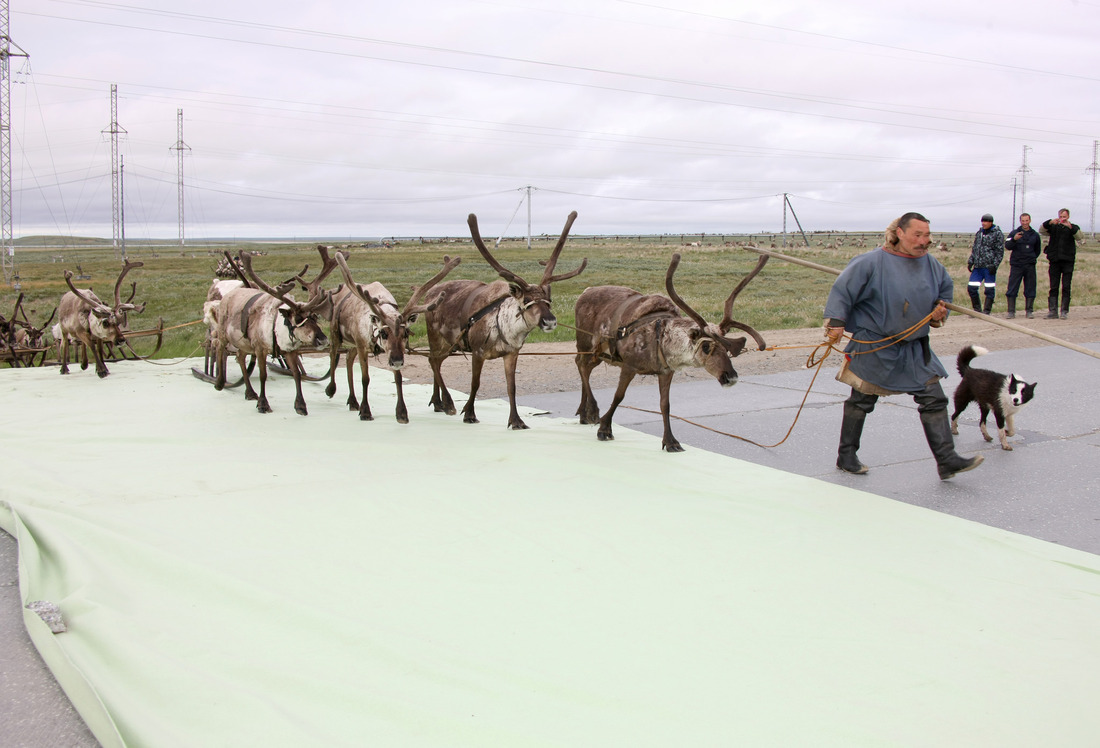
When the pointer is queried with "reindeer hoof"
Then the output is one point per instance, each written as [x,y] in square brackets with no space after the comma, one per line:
[673,447]
[330,390]
[366,417]
[65,370]
[518,425]
[102,374]
[263,407]
[469,418]
[402,419]
[605,436]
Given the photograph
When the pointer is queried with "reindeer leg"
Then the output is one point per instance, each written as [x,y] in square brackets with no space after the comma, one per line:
[364,372]
[352,401]
[83,357]
[626,376]
[510,361]
[476,362]
[441,397]
[221,356]
[261,401]
[64,356]
[402,411]
[589,409]
[668,441]
[100,366]
[333,362]
[297,369]
[249,392]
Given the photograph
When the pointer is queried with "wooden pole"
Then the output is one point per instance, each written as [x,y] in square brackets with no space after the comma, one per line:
[953,307]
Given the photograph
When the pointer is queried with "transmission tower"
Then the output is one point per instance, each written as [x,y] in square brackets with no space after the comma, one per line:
[7,241]
[1023,171]
[1093,167]
[179,148]
[117,231]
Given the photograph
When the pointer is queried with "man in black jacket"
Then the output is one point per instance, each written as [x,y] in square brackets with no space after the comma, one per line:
[1024,245]
[1061,252]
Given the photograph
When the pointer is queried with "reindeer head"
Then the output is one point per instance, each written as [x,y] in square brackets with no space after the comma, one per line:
[712,349]
[299,329]
[534,300]
[107,322]
[391,327]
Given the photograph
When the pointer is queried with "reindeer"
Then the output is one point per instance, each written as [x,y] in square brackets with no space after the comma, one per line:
[262,320]
[87,320]
[645,334]
[20,339]
[368,317]
[489,320]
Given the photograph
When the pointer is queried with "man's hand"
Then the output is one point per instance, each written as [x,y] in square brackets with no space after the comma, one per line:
[939,312]
[833,334]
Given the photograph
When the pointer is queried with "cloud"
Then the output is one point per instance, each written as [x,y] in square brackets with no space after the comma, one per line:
[352,119]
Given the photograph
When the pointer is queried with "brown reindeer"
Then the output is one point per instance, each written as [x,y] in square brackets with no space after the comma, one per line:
[645,334]
[262,321]
[489,320]
[369,319]
[88,321]
[20,339]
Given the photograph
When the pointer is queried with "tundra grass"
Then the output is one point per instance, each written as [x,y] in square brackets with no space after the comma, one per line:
[174,281]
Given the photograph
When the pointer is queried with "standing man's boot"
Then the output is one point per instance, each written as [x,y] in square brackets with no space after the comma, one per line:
[988,303]
[937,430]
[975,300]
[851,428]
[1052,307]
[1030,307]
[1011,302]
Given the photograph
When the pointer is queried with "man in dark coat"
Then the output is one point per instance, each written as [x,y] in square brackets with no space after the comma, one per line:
[1061,252]
[1023,245]
[985,257]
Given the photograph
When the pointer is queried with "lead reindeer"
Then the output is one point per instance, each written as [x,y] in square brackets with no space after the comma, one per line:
[489,320]
[262,321]
[645,334]
[369,319]
[87,320]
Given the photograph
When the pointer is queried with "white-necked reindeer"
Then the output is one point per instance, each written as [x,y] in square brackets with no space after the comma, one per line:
[489,320]
[87,320]
[368,318]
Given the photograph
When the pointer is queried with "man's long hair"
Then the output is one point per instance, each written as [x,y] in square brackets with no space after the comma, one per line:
[891,239]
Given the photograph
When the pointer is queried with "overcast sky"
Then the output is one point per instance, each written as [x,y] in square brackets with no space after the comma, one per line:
[364,119]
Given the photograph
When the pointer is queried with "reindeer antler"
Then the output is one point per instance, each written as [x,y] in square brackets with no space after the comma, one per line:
[356,289]
[80,294]
[236,268]
[727,317]
[548,276]
[410,309]
[279,293]
[317,295]
[504,272]
[127,266]
[698,318]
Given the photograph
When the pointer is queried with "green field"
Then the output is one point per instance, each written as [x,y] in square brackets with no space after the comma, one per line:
[175,279]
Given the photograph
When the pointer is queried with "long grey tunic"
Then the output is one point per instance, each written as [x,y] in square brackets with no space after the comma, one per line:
[880,294]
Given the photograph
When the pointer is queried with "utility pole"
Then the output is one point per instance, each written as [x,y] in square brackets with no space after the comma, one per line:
[7,240]
[122,206]
[784,219]
[1013,199]
[1023,171]
[116,176]
[528,216]
[179,148]
[1093,167]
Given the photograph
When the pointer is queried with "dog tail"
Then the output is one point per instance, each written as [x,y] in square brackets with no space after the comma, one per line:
[968,354]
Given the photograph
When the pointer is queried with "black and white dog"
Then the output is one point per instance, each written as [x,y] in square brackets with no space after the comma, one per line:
[1002,394]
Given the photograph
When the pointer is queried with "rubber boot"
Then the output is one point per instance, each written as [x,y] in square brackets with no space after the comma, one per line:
[851,428]
[988,303]
[1011,302]
[1052,306]
[1030,308]
[975,300]
[937,430]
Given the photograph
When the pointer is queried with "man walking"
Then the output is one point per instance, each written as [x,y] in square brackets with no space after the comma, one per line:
[1023,246]
[881,294]
[1061,252]
[985,258]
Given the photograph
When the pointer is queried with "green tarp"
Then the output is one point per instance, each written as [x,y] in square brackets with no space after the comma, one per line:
[230,578]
